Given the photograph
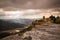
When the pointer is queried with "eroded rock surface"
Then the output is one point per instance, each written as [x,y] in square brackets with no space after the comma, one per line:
[41,32]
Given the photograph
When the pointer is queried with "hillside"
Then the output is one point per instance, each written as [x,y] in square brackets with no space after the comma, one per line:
[6,25]
[22,21]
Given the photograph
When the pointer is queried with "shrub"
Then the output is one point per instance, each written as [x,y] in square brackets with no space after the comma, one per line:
[57,22]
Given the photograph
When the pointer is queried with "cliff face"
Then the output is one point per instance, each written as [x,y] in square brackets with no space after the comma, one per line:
[40,32]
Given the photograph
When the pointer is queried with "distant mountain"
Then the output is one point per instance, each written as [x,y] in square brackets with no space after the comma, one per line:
[6,25]
[22,21]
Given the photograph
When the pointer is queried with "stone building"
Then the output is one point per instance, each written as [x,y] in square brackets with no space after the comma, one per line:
[46,20]
[42,21]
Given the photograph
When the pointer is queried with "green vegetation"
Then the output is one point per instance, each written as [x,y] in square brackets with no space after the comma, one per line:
[51,19]
[57,22]
[55,19]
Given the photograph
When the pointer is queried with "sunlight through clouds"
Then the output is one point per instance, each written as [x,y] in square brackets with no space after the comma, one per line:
[28,14]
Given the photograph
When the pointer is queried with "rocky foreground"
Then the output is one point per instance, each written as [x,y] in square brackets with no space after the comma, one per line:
[40,32]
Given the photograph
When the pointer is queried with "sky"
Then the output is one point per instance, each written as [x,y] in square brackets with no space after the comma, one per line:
[30,9]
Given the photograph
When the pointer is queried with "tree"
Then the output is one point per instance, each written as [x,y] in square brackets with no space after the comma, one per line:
[58,20]
[57,17]
[53,18]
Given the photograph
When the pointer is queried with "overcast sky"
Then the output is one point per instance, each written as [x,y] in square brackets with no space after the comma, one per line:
[29,8]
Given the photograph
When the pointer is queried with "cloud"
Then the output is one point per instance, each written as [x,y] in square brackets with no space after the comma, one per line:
[26,4]
[28,13]
[31,8]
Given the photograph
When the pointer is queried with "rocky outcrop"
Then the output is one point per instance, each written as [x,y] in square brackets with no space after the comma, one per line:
[39,34]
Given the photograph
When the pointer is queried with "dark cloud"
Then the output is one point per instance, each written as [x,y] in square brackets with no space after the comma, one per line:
[32,4]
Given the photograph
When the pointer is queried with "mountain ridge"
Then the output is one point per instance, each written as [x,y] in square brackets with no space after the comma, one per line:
[6,25]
